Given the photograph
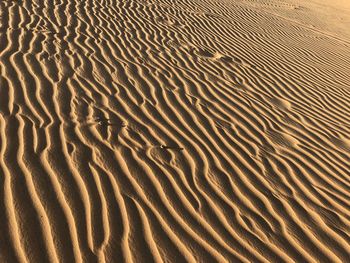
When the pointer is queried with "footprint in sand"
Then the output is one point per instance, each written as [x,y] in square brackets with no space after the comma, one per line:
[175,45]
[102,121]
[280,103]
[168,21]
[206,54]
[282,139]
[341,143]
[217,56]
[225,125]
[164,154]
[169,147]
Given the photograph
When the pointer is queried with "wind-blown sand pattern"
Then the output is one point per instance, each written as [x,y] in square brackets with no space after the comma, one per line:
[174,131]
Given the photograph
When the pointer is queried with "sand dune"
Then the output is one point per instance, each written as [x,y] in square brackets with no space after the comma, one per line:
[174,131]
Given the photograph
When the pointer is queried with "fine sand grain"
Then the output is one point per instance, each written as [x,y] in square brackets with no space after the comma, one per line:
[174,131]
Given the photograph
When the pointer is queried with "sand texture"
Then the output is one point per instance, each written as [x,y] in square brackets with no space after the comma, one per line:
[174,131]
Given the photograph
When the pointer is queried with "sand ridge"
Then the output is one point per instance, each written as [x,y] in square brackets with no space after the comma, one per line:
[173,131]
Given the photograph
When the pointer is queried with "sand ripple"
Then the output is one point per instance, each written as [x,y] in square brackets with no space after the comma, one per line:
[171,131]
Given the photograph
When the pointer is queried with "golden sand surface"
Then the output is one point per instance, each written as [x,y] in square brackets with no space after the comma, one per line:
[174,131]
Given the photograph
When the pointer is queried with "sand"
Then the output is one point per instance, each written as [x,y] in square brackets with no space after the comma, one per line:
[174,131]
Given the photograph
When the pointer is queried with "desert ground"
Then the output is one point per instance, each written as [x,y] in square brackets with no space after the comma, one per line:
[174,131]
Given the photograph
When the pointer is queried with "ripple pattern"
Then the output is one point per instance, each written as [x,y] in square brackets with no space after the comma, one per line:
[171,131]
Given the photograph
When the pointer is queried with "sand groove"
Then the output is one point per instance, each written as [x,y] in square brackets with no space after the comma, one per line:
[172,131]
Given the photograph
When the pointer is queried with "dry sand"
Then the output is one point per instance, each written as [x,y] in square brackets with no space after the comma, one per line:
[174,131]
